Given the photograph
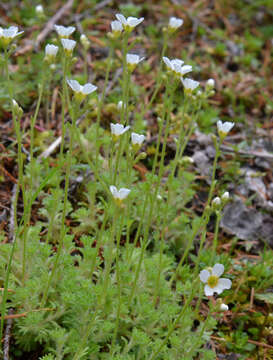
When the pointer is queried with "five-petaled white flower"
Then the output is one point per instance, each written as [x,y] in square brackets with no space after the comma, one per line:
[64,32]
[7,35]
[120,194]
[81,91]
[189,84]
[211,277]
[68,45]
[118,129]
[224,128]
[116,27]
[177,67]
[51,51]
[175,23]
[137,139]
[130,22]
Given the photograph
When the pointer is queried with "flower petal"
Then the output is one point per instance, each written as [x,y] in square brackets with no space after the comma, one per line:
[204,275]
[121,18]
[114,190]
[208,290]
[74,84]
[88,88]
[167,61]
[123,193]
[218,269]
[224,283]
[126,129]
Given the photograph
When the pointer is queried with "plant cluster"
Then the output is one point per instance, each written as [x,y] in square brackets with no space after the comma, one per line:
[116,266]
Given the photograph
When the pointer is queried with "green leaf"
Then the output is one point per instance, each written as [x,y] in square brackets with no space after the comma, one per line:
[268,298]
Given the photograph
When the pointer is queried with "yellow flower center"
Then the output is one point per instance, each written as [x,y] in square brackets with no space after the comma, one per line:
[213,281]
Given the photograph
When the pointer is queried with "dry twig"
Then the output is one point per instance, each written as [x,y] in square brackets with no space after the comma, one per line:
[7,336]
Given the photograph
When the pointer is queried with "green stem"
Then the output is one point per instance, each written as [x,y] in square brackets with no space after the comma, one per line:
[32,175]
[204,219]
[98,243]
[154,195]
[161,124]
[173,327]
[119,283]
[73,130]
[159,75]
[109,260]
[216,232]
[63,105]
[101,101]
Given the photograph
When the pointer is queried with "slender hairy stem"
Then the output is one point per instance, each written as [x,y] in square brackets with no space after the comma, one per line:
[158,82]
[216,232]
[204,219]
[119,283]
[32,176]
[110,259]
[154,195]
[176,321]
[161,124]
[65,66]
[101,101]
[65,204]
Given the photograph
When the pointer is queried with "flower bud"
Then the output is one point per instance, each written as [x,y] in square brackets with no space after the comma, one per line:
[210,84]
[142,155]
[224,307]
[216,203]
[85,42]
[16,108]
[225,196]
[120,105]
[39,11]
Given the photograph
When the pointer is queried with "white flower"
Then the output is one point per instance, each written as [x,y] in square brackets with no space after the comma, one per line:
[51,51]
[7,35]
[225,196]
[214,283]
[189,84]
[116,27]
[210,83]
[120,194]
[39,10]
[224,128]
[177,66]
[175,23]
[118,129]
[224,307]
[63,31]
[68,45]
[130,22]
[133,59]
[137,139]
[80,90]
